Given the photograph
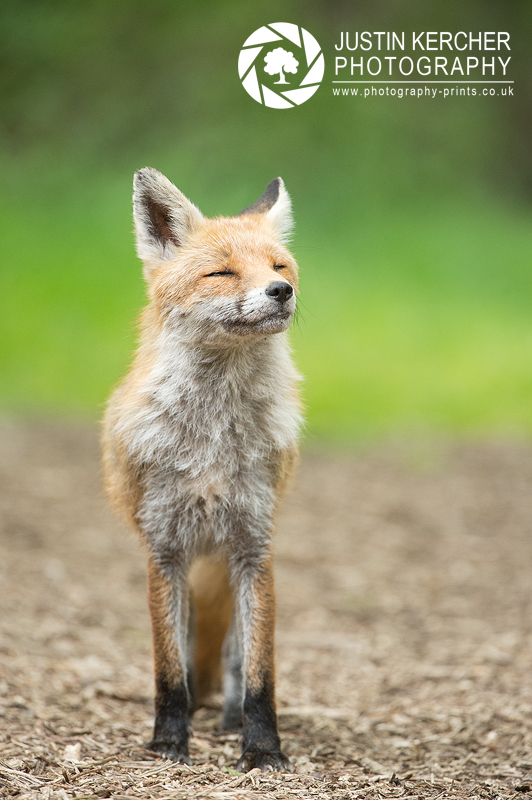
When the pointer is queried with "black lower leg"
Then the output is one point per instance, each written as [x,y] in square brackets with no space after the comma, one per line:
[170,733]
[261,746]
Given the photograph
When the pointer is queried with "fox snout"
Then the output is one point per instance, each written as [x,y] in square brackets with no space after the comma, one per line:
[280,291]
[263,310]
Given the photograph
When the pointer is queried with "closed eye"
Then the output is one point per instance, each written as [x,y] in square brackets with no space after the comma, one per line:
[277,267]
[217,274]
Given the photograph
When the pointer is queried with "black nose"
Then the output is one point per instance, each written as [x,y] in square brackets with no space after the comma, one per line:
[280,291]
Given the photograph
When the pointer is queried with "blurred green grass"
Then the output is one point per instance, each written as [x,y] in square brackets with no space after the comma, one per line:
[413,232]
[412,321]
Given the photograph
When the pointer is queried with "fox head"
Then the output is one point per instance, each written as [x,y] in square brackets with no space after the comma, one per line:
[224,278]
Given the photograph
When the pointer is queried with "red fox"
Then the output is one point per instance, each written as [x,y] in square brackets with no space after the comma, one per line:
[199,441]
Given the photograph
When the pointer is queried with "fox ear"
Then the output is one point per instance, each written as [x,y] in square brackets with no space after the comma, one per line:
[276,205]
[163,217]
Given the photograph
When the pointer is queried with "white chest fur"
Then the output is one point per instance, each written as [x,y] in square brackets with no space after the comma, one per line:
[208,428]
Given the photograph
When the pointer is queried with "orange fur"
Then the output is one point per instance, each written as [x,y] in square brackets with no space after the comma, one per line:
[261,646]
[246,244]
[166,654]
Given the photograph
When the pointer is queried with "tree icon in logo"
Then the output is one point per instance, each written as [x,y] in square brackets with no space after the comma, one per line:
[279,59]
[294,47]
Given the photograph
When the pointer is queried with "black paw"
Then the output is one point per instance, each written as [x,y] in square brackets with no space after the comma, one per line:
[266,761]
[170,750]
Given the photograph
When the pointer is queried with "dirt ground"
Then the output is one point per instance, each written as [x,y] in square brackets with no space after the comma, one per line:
[404,578]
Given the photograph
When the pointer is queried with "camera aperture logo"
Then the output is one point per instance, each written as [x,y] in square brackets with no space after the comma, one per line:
[281,65]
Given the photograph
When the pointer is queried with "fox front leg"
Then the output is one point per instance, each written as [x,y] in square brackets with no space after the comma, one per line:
[255,611]
[168,598]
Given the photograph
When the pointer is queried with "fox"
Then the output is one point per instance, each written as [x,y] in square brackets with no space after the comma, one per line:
[200,443]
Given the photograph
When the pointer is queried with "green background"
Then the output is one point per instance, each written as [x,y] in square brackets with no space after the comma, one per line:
[414,219]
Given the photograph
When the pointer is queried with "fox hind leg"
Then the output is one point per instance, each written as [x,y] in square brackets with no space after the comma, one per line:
[233,680]
[214,641]
[212,608]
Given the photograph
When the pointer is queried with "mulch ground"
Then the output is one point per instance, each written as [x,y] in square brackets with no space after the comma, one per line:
[404,581]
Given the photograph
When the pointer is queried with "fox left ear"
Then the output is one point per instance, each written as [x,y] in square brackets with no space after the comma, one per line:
[276,205]
[164,218]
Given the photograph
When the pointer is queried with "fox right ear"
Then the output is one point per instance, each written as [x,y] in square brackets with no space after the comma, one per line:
[163,217]
[276,206]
